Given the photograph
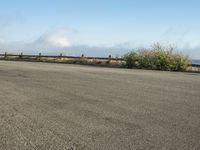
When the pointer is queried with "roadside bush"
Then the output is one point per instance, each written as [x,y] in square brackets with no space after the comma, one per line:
[130,59]
[145,59]
[157,57]
[179,62]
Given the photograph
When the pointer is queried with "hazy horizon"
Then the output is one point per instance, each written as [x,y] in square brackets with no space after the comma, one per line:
[98,28]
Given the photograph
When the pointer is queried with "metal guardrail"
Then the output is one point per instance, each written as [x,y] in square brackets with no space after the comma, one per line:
[60,56]
[71,57]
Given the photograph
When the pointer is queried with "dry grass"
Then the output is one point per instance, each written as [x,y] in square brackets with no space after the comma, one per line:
[81,60]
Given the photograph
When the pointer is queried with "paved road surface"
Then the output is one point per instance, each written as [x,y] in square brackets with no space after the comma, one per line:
[57,106]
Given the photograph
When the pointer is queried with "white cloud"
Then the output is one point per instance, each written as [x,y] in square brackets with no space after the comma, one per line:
[48,42]
[54,39]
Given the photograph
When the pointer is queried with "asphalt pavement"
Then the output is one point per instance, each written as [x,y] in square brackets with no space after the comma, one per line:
[70,107]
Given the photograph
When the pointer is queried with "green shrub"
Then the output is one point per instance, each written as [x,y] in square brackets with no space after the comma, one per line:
[130,59]
[145,59]
[179,62]
[157,57]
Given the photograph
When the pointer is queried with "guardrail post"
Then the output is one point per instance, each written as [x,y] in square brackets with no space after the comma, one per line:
[5,56]
[39,56]
[21,55]
[109,59]
[82,59]
[61,55]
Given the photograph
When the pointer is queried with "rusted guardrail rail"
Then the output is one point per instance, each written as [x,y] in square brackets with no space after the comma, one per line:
[6,55]
[58,56]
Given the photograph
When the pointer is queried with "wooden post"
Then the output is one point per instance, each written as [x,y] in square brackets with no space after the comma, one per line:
[21,55]
[39,57]
[61,55]
[82,59]
[5,56]
[109,58]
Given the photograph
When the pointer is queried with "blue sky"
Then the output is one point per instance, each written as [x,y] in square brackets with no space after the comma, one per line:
[98,27]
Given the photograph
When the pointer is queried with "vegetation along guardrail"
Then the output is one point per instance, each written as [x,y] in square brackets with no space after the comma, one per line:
[22,56]
[6,55]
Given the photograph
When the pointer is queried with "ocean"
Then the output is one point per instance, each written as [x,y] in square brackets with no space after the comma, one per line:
[196,61]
